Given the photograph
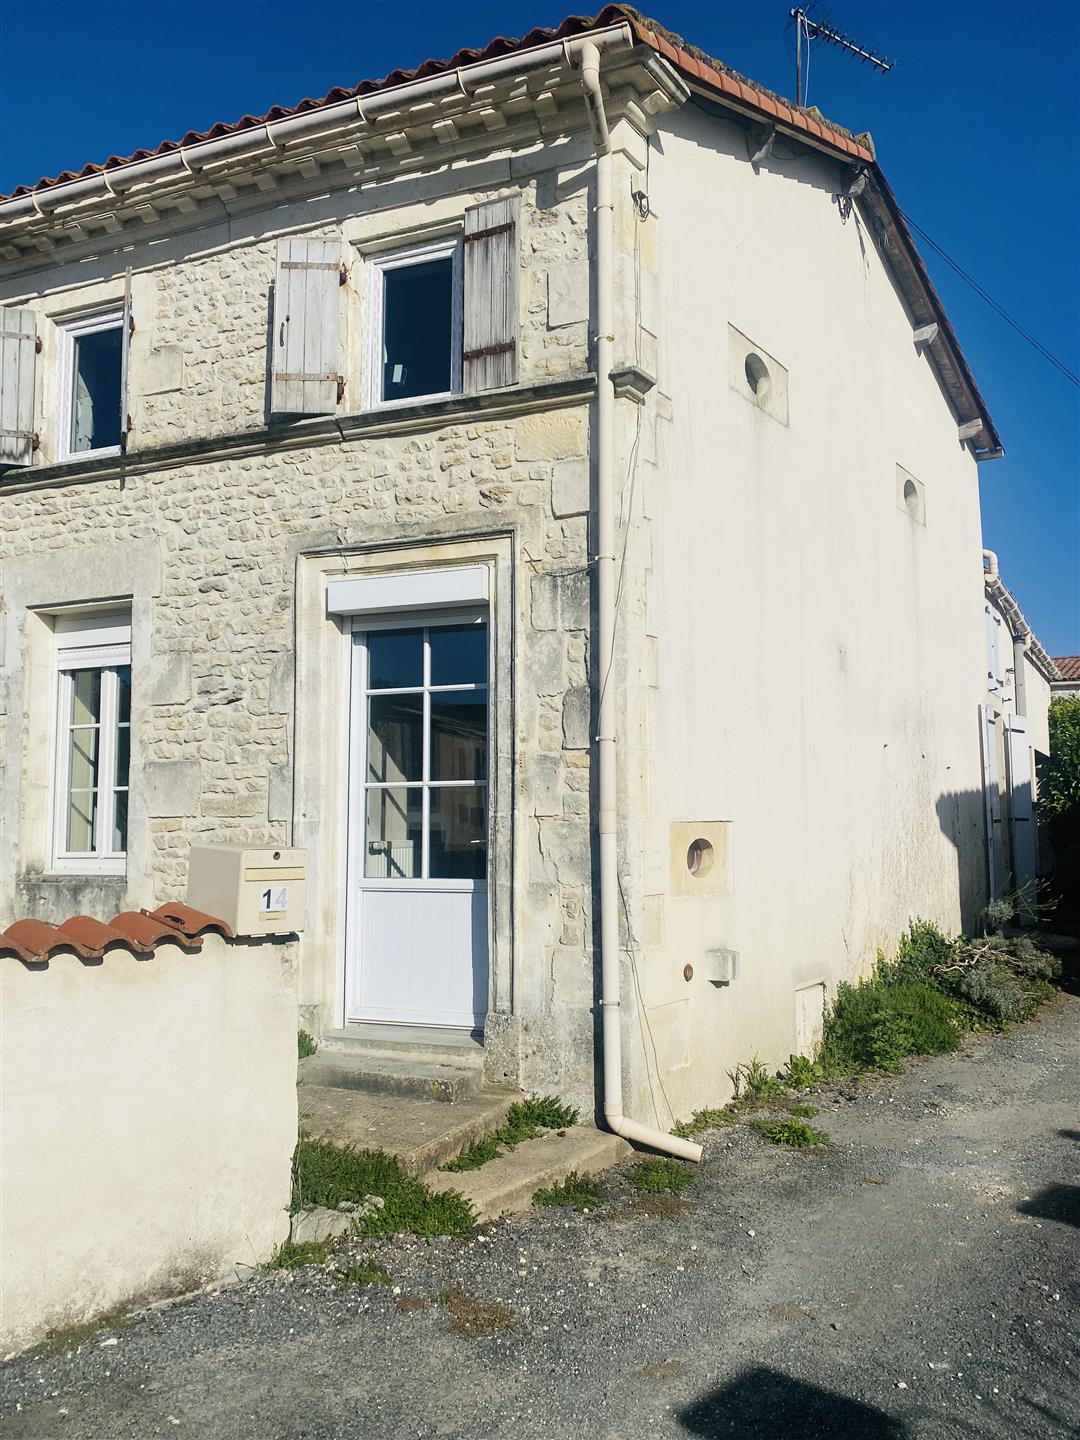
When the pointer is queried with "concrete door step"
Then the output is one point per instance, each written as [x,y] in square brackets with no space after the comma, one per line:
[421,1133]
[360,1068]
[413,1042]
[506,1185]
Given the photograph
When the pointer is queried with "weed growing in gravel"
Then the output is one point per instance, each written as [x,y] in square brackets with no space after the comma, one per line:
[524,1121]
[70,1337]
[755,1085]
[796,1133]
[469,1316]
[805,1112]
[581,1192]
[708,1119]
[800,1073]
[655,1177]
[308,1252]
[326,1174]
[364,1272]
[305,1044]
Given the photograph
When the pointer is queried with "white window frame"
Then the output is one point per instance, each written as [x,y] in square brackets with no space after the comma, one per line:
[89,642]
[378,265]
[70,333]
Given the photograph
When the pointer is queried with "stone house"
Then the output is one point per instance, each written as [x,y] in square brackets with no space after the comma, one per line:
[540,488]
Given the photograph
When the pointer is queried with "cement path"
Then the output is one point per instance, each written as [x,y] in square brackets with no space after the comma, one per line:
[920,1282]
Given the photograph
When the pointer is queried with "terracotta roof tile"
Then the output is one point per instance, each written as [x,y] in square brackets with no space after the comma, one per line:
[139,931]
[1069,665]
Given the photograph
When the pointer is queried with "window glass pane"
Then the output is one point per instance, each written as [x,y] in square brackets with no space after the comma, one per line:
[395,659]
[395,737]
[123,753]
[95,407]
[120,809]
[83,759]
[459,735]
[82,808]
[417,318]
[392,847]
[85,697]
[458,840]
[123,694]
[459,655]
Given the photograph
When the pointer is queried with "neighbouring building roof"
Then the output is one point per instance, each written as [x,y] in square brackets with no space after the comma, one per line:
[706,77]
[139,931]
[1068,667]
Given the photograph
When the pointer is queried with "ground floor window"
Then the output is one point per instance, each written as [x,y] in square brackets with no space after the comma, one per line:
[93,740]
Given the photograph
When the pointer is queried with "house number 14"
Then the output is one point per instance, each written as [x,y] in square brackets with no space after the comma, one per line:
[273,899]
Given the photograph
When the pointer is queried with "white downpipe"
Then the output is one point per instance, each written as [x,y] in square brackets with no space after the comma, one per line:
[611,980]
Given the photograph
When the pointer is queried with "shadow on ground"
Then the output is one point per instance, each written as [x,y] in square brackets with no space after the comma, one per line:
[763,1404]
[1055,1202]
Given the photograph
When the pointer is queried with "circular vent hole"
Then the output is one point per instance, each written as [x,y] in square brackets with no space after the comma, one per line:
[911,496]
[757,375]
[699,857]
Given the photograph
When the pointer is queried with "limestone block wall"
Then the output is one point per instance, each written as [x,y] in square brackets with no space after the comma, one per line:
[149,1124]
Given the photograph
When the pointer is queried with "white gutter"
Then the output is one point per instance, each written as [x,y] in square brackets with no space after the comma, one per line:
[272,137]
[610,959]
[1023,637]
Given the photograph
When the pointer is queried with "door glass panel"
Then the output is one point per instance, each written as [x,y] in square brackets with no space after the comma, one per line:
[458,839]
[393,839]
[123,694]
[395,737]
[395,659]
[459,655]
[459,735]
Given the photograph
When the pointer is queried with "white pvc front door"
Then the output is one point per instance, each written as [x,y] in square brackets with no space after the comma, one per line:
[417,932]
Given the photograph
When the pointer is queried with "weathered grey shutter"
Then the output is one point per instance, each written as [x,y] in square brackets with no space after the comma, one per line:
[305,373]
[490,330]
[1021,807]
[18,362]
[126,333]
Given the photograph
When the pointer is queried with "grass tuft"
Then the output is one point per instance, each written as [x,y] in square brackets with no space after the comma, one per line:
[364,1272]
[657,1177]
[580,1192]
[305,1044]
[308,1252]
[524,1121]
[469,1316]
[326,1174]
[796,1133]
[701,1120]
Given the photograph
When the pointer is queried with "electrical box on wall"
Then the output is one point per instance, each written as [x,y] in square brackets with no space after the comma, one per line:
[257,889]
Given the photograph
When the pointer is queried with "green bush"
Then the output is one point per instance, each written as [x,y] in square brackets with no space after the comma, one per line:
[1059,787]
[875,1024]
[326,1174]
[305,1044]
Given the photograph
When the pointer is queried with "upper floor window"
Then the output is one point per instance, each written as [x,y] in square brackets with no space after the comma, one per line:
[415,301]
[93,740]
[91,385]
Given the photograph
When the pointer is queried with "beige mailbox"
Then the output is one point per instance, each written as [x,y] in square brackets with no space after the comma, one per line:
[257,889]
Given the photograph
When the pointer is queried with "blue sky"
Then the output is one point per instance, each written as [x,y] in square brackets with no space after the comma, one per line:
[976,129]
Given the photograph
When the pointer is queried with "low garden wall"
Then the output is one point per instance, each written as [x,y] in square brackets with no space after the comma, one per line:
[147,1124]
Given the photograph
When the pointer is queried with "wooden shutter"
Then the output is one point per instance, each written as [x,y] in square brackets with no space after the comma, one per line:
[126,333]
[18,362]
[988,729]
[305,373]
[490,343]
[1021,809]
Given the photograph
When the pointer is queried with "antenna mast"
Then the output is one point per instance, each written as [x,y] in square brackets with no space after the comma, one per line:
[806,30]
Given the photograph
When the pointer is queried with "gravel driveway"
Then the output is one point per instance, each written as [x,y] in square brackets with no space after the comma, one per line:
[919,1280]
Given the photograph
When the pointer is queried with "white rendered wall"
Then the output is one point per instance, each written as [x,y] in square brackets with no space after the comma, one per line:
[819,651]
[149,1121]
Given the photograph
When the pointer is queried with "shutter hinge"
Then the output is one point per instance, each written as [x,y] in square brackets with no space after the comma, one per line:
[487,350]
[491,230]
[305,375]
[340,388]
[37,345]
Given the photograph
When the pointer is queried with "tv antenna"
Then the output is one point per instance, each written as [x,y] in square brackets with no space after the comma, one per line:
[807,29]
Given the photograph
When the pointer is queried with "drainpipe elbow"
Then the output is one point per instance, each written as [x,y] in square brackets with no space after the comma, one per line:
[594,98]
